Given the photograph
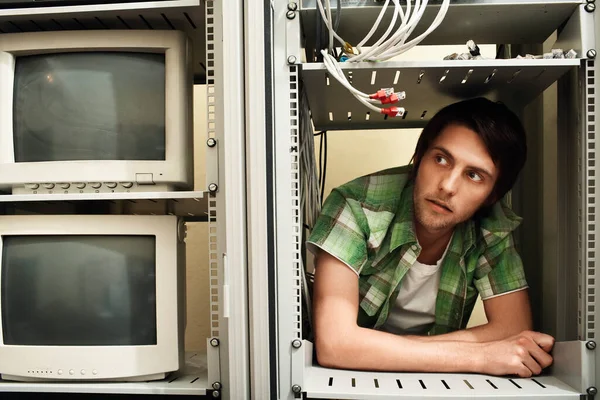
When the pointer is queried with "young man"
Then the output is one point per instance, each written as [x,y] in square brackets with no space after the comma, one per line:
[403,253]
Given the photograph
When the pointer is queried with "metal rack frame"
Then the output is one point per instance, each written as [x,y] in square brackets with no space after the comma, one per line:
[294,372]
[217,39]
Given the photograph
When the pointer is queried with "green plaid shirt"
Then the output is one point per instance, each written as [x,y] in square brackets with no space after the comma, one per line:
[368,224]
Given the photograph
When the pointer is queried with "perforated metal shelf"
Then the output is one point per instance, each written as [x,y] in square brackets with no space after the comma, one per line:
[326,383]
[485,21]
[192,380]
[192,206]
[429,86]
[183,15]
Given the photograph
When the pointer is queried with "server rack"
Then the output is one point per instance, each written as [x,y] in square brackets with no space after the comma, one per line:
[216,47]
[556,193]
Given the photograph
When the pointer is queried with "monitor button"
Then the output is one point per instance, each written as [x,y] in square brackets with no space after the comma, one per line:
[32,186]
[94,372]
[96,185]
[83,372]
[49,185]
[79,185]
[64,185]
[60,371]
[71,372]
[127,185]
[111,185]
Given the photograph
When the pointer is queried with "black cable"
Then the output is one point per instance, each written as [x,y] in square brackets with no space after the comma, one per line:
[321,143]
[324,168]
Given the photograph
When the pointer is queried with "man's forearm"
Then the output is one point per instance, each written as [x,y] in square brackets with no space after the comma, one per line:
[368,349]
[480,334]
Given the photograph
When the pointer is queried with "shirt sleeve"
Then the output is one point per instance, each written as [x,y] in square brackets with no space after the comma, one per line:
[500,270]
[339,231]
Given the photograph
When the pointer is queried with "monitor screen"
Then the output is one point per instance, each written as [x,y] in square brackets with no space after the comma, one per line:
[89,106]
[79,290]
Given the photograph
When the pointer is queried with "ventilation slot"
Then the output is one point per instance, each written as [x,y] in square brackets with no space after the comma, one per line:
[422,384]
[420,78]
[490,76]
[187,16]
[331,381]
[123,22]
[373,77]
[168,21]
[396,77]
[376,383]
[443,78]
[491,384]
[445,384]
[353,382]
[423,115]
[468,384]
[541,385]
[514,76]
[399,383]
[467,76]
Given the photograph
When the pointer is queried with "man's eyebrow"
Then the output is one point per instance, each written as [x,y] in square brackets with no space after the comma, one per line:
[451,157]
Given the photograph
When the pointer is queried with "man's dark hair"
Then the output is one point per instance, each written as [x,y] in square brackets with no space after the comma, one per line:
[498,127]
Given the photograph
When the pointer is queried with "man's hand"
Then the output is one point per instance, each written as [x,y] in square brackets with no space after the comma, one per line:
[525,355]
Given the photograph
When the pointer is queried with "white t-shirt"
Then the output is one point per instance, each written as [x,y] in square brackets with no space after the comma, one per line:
[414,309]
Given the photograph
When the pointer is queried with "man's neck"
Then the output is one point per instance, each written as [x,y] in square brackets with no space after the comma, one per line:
[433,243]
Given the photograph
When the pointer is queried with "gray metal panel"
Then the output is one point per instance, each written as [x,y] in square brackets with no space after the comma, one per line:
[485,21]
[574,364]
[190,381]
[326,383]
[256,161]
[231,198]
[183,15]
[429,86]
[192,206]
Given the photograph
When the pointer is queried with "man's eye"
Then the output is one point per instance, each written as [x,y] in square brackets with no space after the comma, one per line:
[441,160]
[475,176]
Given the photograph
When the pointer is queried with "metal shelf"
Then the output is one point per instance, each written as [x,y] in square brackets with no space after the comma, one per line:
[325,383]
[192,206]
[485,21]
[183,15]
[429,86]
[192,380]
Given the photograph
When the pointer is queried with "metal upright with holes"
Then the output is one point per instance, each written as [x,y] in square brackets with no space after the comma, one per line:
[216,38]
[556,192]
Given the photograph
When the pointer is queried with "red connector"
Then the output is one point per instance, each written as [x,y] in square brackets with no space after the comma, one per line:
[382,94]
[387,96]
[393,111]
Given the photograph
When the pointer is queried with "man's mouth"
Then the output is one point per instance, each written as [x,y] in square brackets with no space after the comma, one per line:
[440,204]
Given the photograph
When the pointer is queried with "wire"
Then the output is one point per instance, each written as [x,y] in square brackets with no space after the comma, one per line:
[323,171]
[393,42]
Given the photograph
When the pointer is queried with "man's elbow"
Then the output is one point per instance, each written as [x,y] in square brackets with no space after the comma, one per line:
[332,350]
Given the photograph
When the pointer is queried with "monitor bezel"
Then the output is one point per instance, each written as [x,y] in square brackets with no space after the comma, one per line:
[177,168]
[109,362]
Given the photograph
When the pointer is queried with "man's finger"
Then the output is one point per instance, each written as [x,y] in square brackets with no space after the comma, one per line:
[539,354]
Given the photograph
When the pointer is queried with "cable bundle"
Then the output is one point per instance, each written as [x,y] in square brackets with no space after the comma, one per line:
[389,45]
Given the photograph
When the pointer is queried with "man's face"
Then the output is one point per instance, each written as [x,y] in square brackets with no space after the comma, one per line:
[455,178]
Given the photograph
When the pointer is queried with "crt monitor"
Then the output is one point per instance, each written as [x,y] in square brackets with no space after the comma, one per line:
[95,111]
[91,297]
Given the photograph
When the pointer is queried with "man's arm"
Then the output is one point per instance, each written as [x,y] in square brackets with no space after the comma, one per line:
[341,343]
[507,315]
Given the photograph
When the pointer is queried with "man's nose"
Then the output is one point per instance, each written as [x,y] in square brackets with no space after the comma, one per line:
[450,182]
